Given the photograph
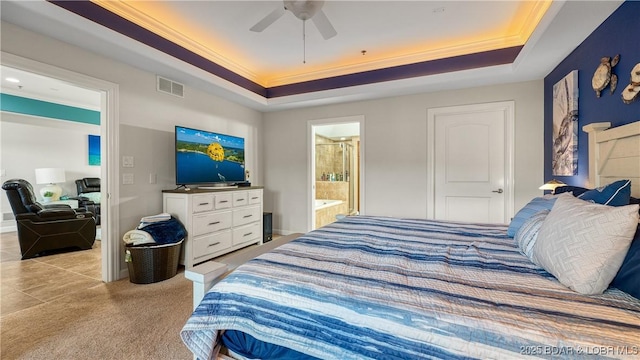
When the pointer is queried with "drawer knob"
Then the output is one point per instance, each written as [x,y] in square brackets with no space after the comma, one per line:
[214,244]
[247,216]
[214,223]
[223,201]
[202,204]
[240,200]
[247,234]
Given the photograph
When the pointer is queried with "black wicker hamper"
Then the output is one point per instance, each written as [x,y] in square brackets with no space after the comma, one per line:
[152,263]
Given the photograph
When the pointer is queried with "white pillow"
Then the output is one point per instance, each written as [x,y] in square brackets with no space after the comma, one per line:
[583,244]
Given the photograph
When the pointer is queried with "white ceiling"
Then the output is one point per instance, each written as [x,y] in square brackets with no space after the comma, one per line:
[375,26]
[43,88]
[338,131]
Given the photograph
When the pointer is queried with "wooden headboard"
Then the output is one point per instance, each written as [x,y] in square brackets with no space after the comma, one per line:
[614,154]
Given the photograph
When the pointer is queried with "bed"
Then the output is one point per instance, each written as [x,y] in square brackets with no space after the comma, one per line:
[371,287]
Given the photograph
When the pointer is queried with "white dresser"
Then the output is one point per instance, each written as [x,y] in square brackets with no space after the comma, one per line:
[217,221]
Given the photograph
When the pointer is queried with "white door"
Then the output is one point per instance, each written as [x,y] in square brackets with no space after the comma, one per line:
[471,169]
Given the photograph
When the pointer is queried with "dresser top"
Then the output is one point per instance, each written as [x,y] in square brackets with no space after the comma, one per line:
[196,190]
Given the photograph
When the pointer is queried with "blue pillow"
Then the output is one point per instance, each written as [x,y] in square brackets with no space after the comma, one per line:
[528,234]
[628,277]
[615,194]
[534,206]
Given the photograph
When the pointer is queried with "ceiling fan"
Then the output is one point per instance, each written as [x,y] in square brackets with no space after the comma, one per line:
[303,10]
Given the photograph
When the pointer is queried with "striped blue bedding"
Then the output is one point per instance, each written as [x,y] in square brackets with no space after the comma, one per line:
[386,288]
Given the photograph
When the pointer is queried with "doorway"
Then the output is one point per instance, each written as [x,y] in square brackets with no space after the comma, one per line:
[335,169]
[110,248]
[471,162]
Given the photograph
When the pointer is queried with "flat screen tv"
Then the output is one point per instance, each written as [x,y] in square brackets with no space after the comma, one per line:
[208,158]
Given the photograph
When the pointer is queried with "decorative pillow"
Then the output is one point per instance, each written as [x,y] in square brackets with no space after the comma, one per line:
[535,205]
[628,277]
[583,244]
[615,194]
[526,236]
[575,190]
[93,196]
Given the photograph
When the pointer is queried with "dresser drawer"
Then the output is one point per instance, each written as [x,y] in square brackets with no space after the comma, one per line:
[246,215]
[212,222]
[247,233]
[208,244]
[223,201]
[218,221]
[202,203]
[240,198]
[255,197]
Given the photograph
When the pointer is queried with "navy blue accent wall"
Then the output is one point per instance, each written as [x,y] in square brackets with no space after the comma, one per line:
[619,34]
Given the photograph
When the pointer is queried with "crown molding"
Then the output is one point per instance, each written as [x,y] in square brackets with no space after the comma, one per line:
[128,12]
[418,57]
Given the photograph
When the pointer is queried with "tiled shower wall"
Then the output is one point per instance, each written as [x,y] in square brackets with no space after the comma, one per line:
[335,190]
[328,157]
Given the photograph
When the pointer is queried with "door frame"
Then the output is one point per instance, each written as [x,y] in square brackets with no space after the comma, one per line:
[311,161]
[508,107]
[109,171]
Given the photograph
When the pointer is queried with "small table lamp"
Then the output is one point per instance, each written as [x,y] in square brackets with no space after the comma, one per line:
[50,176]
[552,185]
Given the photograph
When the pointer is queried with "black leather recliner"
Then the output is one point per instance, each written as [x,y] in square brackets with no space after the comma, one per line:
[46,229]
[88,185]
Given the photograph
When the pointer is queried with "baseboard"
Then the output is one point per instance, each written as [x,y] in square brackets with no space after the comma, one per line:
[283,232]
[124,274]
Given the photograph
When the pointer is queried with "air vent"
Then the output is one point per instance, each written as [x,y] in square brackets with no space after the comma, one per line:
[8,216]
[170,87]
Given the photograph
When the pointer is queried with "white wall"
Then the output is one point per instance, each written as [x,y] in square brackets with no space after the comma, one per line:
[29,142]
[147,111]
[395,141]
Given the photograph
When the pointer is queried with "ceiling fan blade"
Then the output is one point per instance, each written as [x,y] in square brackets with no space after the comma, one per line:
[269,19]
[324,25]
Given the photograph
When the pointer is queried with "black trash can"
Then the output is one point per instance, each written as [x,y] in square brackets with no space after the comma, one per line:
[152,263]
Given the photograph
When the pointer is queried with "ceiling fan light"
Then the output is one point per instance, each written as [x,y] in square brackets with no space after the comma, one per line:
[304,9]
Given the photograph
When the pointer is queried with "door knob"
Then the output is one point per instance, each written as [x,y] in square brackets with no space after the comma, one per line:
[499,191]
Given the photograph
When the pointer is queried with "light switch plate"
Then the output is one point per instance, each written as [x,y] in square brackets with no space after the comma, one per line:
[127,179]
[127,161]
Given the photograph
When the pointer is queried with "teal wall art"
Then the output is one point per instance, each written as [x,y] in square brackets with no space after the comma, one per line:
[94,150]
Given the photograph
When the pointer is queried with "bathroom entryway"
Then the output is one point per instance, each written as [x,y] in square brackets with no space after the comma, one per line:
[335,169]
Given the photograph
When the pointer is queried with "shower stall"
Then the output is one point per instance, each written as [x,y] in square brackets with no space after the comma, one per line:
[336,185]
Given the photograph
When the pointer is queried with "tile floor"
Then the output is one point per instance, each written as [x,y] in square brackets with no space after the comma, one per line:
[31,282]
[27,283]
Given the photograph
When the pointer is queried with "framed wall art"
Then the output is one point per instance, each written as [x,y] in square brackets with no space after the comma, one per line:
[94,150]
[565,126]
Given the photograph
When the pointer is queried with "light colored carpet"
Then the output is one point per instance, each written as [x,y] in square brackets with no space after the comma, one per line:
[119,320]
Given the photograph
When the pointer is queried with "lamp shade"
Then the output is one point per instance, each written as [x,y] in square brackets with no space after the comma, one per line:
[49,176]
[551,185]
